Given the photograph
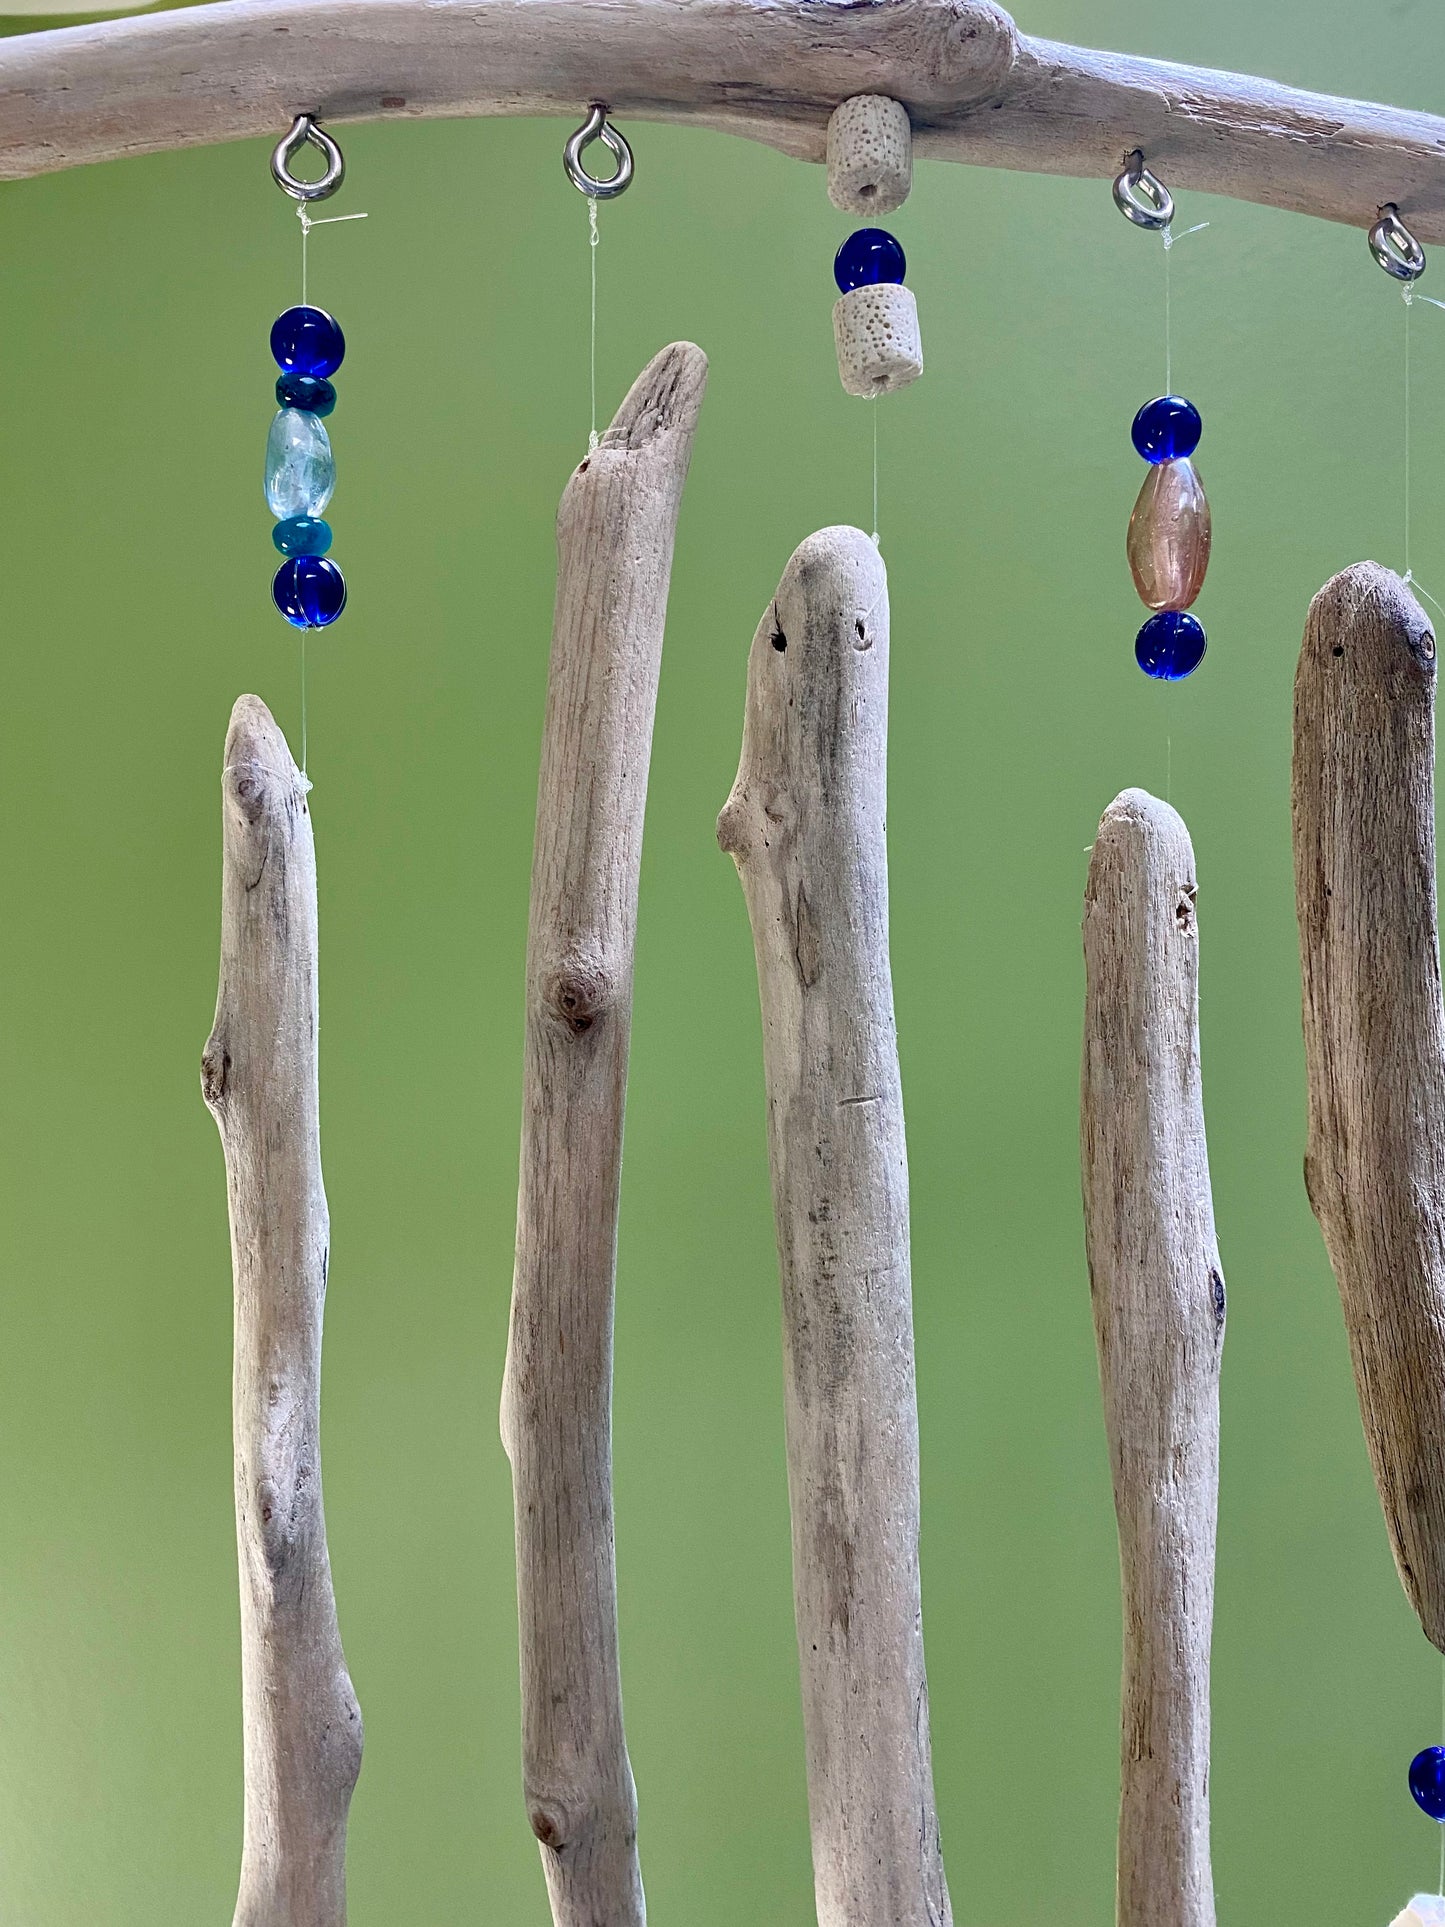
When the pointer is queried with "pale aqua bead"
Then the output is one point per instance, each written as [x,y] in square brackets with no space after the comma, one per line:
[300,468]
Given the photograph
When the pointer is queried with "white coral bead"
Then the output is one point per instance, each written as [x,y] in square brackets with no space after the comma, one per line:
[876,332]
[870,155]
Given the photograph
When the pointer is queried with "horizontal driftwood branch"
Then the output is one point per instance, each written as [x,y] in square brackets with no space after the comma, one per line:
[259,1077]
[615,529]
[805,824]
[1158,1296]
[1364,851]
[976,89]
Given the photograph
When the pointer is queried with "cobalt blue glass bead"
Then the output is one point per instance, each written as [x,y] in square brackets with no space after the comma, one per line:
[306,341]
[1427,1781]
[312,394]
[869,255]
[302,535]
[1170,646]
[309,591]
[1167,428]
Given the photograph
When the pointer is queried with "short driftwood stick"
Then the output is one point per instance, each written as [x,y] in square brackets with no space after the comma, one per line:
[258,1075]
[615,533]
[975,89]
[1158,1298]
[805,825]
[1364,848]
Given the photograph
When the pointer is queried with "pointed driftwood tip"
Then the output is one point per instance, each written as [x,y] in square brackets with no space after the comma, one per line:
[1142,838]
[1136,813]
[256,750]
[666,395]
[1363,611]
[839,547]
[837,566]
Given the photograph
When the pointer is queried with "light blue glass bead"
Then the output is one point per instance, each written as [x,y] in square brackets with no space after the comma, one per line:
[300,468]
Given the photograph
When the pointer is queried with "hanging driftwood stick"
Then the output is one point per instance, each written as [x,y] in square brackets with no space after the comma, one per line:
[1158,1296]
[975,89]
[1364,851]
[615,533]
[258,1075]
[805,824]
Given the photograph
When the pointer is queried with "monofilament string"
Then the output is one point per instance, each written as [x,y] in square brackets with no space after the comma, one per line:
[308,221]
[593,236]
[1408,296]
[1169,237]
[876,542]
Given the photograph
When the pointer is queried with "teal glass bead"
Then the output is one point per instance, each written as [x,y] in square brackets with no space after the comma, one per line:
[309,590]
[302,535]
[311,392]
[300,468]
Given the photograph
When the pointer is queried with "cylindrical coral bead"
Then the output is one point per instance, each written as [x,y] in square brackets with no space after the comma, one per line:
[870,155]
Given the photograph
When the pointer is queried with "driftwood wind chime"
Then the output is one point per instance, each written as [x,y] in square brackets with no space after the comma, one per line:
[861,86]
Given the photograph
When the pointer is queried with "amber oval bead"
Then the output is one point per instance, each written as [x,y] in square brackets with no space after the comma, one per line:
[1169,536]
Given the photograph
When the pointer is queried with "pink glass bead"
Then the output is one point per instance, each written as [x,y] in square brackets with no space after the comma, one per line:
[1169,536]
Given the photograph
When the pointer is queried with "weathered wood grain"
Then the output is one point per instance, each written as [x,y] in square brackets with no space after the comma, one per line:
[1158,1297]
[975,88]
[1364,850]
[805,824]
[615,530]
[259,1077]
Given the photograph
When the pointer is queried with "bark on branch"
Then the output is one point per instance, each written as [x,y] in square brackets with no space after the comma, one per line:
[975,88]
[258,1075]
[1364,848]
[1158,1295]
[615,533]
[805,824]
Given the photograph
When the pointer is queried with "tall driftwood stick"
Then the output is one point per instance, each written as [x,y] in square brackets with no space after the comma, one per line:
[615,533]
[1364,848]
[258,1075]
[1158,1298]
[805,824]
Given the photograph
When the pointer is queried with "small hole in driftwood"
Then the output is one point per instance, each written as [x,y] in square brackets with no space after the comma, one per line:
[1337,650]
[867,190]
[779,640]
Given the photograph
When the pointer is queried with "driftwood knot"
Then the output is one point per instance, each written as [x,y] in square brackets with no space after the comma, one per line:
[215,1069]
[579,993]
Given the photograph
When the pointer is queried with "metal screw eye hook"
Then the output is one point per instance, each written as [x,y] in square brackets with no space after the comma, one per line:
[597,127]
[1395,247]
[1141,197]
[306,131]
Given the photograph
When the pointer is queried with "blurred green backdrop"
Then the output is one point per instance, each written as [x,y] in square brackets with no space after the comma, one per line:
[136,302]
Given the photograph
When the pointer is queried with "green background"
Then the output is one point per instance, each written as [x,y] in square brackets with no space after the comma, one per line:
[136,300]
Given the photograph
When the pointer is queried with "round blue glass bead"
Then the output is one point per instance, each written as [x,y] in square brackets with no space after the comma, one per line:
[1427,1781]
[306,341]
[1170,646]
[302,535]
[869,255]
[309,591]
[312,394]
[1166,428]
